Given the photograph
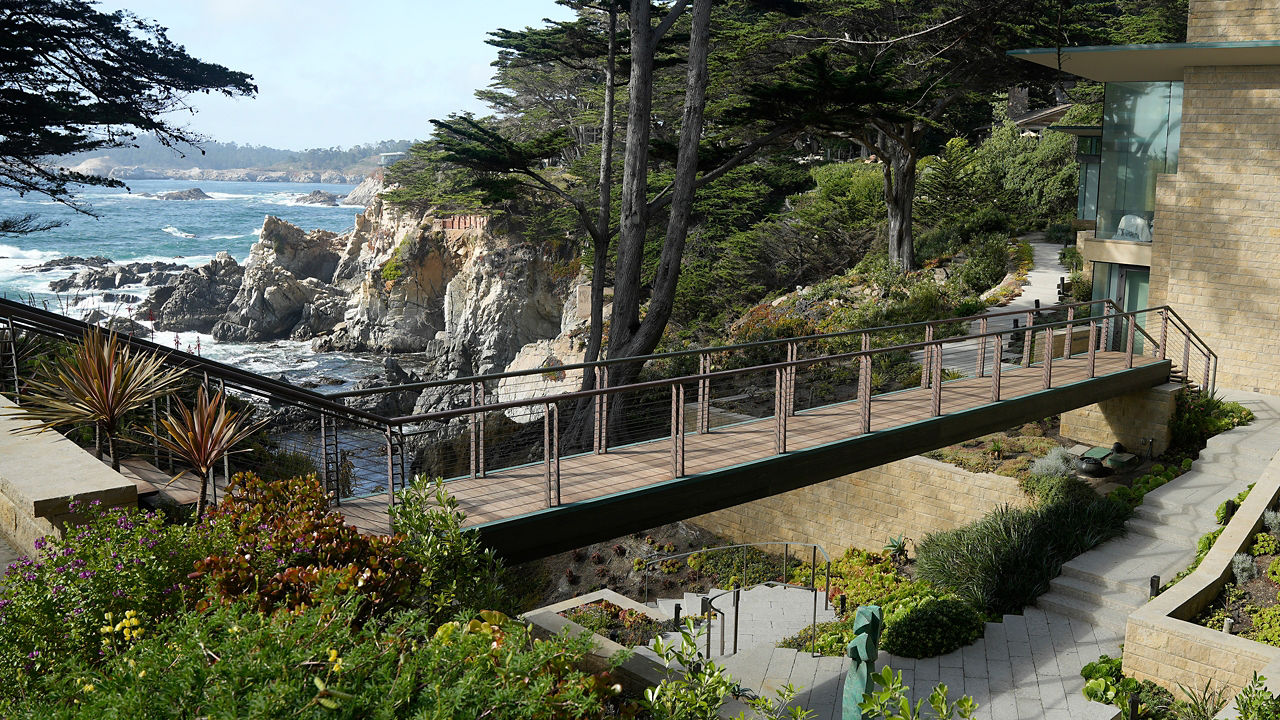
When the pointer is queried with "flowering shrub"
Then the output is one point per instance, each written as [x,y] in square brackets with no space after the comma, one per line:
[119,561]
[287,544]
[321,662]
[622,625]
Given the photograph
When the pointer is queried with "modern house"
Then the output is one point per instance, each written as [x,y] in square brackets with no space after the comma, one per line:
[1183,179]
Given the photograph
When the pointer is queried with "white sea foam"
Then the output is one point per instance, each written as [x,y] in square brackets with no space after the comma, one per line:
[229,196]
[228,237]
[176,232]
[12,252]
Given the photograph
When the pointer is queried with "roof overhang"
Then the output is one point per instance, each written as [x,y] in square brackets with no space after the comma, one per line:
[1150,63]
[1079,130]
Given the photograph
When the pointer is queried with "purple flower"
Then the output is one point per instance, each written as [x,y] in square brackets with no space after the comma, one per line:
[86,573]
[29,576]
[68,551]
[95,503]
[33,654]
[40,543]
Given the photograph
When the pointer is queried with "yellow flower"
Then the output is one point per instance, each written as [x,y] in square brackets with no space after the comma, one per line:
[142,674]
[88,687]
[333,655]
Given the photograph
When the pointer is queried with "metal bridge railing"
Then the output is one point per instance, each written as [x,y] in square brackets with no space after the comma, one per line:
[358,452]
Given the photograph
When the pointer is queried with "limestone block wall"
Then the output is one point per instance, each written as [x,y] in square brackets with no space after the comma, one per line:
[1216,247]
[1128,419]
[914,497]
[1162,644]
[1233,20]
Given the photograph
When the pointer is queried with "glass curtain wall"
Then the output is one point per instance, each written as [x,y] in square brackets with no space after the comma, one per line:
[1142,124]
[1088,150]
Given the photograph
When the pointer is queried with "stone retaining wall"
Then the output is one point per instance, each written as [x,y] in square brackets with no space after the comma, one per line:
[915,496]
[39,476]
[1131,420]
[1161,642]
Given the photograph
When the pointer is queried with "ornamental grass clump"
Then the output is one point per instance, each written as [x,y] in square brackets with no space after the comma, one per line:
[99,382]
[1002,562]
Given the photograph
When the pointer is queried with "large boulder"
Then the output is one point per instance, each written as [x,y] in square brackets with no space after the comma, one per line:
[108,277]
[197,297]
[190,194]
[366,191]
[287,271]
[318,197]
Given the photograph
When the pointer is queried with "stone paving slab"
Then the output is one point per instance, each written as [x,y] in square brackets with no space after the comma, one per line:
[1028,666]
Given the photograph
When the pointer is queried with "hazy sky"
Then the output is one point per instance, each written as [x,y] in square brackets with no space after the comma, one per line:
[339,73]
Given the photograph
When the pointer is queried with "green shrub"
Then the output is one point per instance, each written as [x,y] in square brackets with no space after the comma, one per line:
[1071,259]
[1264,544]
[1224,512]
[1255,701]
[320,662]
[457,571]
[1199,416]
[1081,288]
[987,264]
[934,626]
[1244,568]
[1002,562]
[1266,625]
[1057,489]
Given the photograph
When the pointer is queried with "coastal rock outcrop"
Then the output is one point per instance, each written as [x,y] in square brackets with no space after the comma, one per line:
[319,197]
[287,271]
[189,194]
[366,191]
[107,275]
[197,298]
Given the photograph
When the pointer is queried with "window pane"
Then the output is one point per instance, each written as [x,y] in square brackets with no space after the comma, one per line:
[1141,129]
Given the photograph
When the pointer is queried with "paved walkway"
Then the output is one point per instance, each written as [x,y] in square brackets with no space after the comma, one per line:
[1028,666]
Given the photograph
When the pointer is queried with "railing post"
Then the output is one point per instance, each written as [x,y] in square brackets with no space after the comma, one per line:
[936,379]
[1164,330]
[13,363]
[226,458]
[472,427]
[1186,354]
[602,430]
[1069,338]
[995,369]
[1105,340]
[546,451]
[704,393]
[1047,380]
[391,475]
[324,453]
[864,383]
[1131,323]
[813,628]
[1205,385]
[793,354]
[554,411]
[926,370]
[982,347]
[597,410]
[737,617]
[1093,347]
[779,415]
[168,410]
[677,431]
[155,428]
[1028,338]
[826,592]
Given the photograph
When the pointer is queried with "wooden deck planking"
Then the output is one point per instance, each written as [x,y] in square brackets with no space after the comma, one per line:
[510,492]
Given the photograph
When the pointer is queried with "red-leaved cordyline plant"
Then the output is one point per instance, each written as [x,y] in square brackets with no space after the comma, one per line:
[200,436]
[99,382]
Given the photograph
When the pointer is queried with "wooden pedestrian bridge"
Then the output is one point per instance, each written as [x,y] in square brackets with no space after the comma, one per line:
[541,466]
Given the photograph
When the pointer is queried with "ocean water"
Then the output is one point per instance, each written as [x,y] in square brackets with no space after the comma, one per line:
[130,228]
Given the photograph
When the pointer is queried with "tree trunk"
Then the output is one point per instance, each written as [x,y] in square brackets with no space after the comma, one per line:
[899,197]
[204,487]
[604,211]
[111,450]
[635,176]
[628,337]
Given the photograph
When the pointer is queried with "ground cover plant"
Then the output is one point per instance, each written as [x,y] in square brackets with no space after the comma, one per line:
[622,625]
[1010,453]
[1105,683]
[920,620]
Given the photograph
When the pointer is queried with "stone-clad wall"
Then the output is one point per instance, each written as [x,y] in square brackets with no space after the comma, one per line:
[1129,419]
[1216,249]
[1233,20]
[914,497]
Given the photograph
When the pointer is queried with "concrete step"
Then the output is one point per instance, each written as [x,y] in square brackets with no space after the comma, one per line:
[1197,522]
[1195,489]
[1126,600]
[1073,607]
[1128,562]
[1163,531]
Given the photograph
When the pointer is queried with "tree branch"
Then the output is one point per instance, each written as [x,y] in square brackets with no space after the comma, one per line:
[674,14]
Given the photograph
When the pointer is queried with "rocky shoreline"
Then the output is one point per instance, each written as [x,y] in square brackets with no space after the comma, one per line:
[469,298]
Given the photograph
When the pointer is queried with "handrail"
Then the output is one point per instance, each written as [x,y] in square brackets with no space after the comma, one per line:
[25,316]
[441,415]
[710,349]
[710,599]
